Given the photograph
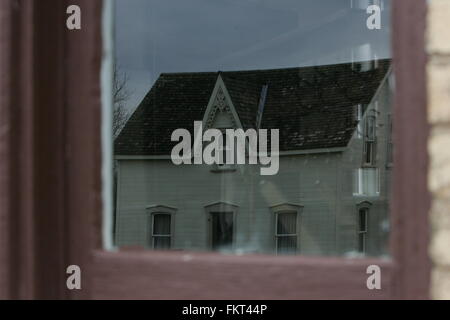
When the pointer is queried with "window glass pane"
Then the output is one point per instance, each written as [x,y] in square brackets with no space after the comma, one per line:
[370,128]
[161,224]
[161,243]
[362,220]
[362,243]
[222,230]
[295,95]
[287,223]
[287,245]
[366,182]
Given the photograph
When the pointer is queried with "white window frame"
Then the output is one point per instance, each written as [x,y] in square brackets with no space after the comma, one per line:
[154,236]
[287,208]
[363,206]
[359,118]
[152,211]
[224,150]
[215,208]
[359,175]
[288,235]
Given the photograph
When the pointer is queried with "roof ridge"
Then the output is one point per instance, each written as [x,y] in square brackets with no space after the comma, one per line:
[221,72]
[189,73]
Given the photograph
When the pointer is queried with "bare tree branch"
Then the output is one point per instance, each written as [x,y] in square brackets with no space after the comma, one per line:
[121,94]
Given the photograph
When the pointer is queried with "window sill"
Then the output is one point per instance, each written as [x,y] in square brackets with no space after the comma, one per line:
[368,166]
[224,169]
[359,195]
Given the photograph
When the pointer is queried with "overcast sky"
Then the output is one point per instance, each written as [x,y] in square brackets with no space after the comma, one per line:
[159,36]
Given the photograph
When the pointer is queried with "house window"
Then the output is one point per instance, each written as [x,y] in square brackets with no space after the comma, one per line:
[225,149]
[362,229]
[226,143]
[366,182]
[286,219]
[286,233]
[369,153]
[222,230]
[221,225]
[160,226]
[161,231]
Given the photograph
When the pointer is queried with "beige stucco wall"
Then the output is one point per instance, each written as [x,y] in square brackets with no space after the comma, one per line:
[438,47]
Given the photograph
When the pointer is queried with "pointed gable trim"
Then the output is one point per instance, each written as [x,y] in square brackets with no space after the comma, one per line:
[220,100]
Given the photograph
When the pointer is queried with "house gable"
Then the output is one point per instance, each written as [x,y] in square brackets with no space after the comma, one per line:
[313,107]
[220,112]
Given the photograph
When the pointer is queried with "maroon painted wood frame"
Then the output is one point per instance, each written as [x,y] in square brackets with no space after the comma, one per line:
[50,184]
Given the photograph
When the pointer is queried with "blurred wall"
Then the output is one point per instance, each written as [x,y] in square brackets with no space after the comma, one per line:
[438,47]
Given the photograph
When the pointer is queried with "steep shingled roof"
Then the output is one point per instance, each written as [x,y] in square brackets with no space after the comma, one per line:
[313,107]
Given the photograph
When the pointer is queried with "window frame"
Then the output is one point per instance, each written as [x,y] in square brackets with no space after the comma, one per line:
[362,233]
[370,141]
[224,149]
[217,208]
[287,208]
[152,211]
[287,235]
[214,214]
[169,235]
[61,156]
[366,206]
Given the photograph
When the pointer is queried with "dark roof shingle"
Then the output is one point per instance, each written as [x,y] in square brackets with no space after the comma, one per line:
[313,107]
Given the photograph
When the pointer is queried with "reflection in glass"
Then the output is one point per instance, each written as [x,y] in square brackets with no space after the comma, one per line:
[286,233]
[161,231]
[362,232]
[310,70]
[222,230]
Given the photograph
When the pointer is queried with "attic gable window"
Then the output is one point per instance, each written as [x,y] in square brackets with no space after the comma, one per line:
[221,114]
[226,149]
